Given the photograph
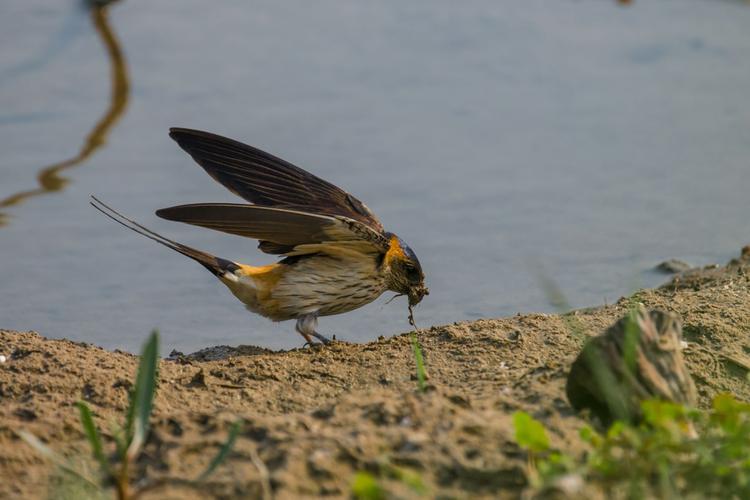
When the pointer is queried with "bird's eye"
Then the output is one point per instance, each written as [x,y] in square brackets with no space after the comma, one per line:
[412,272]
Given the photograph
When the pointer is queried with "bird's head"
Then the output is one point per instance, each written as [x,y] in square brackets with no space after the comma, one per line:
[403,272]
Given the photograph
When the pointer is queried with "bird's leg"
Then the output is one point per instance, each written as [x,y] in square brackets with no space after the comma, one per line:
[306,327]
[302,330]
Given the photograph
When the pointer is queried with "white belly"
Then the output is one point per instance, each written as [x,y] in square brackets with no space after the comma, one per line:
[320,284]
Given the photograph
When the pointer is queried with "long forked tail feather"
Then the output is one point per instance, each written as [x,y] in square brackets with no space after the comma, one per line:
[216,265]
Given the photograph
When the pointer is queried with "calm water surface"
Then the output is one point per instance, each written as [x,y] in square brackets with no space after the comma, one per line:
[578,139]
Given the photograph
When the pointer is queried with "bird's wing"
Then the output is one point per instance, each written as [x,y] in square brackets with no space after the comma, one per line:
[280,230]
[266,180]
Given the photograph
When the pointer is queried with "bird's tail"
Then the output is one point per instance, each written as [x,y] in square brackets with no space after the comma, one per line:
[216,265]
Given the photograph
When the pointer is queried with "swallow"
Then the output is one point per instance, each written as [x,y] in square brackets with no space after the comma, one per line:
[335,255]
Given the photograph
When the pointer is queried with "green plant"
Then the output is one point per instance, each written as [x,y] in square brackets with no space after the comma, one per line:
[421,372]
[366,486]
[530,433]
[545,464]
[675,452]
[128,439]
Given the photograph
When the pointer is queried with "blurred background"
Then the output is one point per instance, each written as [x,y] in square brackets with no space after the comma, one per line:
[582,141]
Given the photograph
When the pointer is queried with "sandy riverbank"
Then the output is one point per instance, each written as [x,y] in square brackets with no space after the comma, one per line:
[316,416]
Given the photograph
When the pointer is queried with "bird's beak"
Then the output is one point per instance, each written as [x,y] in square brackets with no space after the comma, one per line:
[416,294]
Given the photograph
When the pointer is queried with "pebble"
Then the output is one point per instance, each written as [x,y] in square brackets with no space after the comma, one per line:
[673,266]
[3,359]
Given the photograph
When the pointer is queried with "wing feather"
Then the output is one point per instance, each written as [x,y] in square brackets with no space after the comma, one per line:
[280,230]
[266,180]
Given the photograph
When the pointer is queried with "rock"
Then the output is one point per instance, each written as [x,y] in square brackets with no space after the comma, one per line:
[198,380]
[673,266]
[612,386]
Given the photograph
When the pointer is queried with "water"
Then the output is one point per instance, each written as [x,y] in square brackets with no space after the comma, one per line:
[577,139]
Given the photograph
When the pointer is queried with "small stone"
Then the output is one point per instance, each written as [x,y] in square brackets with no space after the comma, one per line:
[88,392]
[324,413]
[459,400]
[571,485]
[320,465]
[673,266]
[3,359]
[26,414]
[174,427]
[175,354]
[198,380]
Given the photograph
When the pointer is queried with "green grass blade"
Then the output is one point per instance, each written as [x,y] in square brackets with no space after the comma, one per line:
[120,439]
[127,431]
[603,375]
[92,433]
[234,431]
[410,478]
[530,434]
[366,487]
[630,342]
[142,401]
[421,373]
[53,457]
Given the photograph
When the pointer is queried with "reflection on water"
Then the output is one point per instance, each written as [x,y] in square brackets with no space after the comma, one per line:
[49,178]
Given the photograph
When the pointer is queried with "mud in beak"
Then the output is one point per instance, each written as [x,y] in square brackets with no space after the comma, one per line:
[416,294]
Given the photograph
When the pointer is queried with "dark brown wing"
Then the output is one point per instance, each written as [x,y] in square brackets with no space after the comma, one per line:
[266,180]
[279,230]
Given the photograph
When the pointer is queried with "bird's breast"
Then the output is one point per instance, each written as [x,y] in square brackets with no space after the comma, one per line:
[318,284]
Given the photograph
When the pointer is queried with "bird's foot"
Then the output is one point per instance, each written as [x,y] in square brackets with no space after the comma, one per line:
[323,339]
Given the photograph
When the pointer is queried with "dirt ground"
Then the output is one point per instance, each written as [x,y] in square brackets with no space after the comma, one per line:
[314,417]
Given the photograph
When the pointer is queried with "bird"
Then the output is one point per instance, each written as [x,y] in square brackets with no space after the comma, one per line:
[335,255]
